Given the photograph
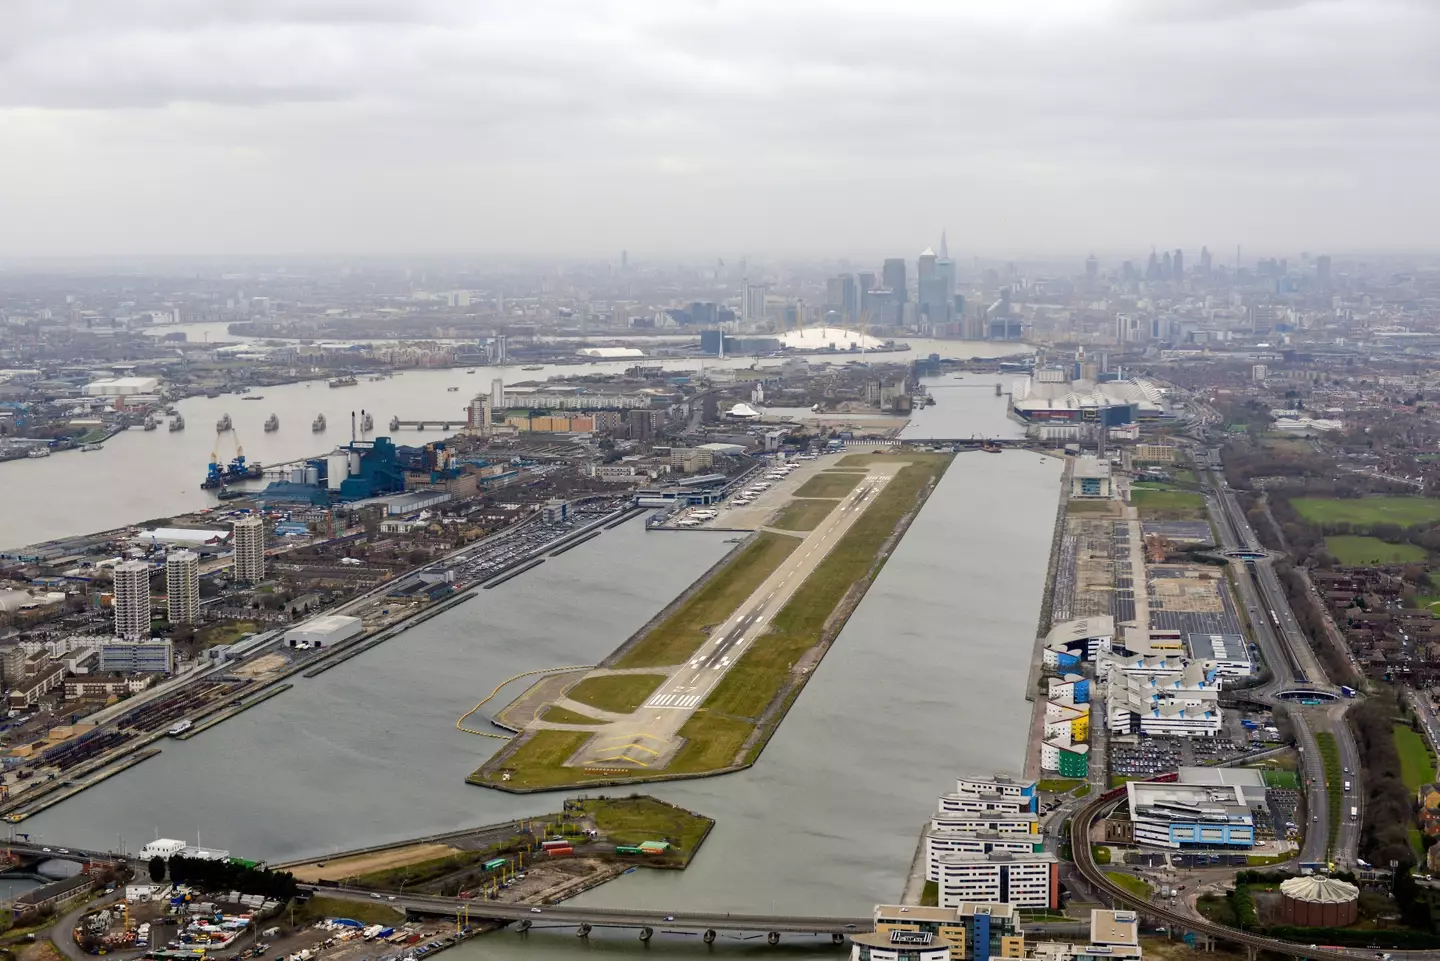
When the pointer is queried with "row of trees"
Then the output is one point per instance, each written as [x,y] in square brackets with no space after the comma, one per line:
[1312,621]
[224,875]
[1389,808]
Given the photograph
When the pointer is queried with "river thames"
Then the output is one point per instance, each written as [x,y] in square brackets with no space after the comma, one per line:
[152,475]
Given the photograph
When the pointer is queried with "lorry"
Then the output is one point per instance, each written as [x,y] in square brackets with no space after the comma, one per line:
[1354,813]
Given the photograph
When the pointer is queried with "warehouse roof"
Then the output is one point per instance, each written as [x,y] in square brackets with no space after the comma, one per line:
[327,624]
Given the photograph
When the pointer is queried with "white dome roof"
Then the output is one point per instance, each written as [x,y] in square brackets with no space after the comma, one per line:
[829,338]
[743,410]
[1319,889]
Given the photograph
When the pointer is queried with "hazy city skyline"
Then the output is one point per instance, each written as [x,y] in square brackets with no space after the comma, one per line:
[189,127]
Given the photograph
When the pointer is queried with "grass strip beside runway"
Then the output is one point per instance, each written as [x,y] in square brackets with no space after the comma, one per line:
[803,515]
[561,715]
[766,666]
[540,761]
[680,635]
[620,693]
[711,742]
[834,485]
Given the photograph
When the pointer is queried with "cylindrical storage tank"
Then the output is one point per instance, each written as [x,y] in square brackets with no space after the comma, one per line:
[312,475]
[1318,902]
[337,468]
[297,475]
[354,462]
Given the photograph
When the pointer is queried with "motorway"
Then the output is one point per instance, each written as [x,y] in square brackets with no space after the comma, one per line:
[1293,667]
[648,738]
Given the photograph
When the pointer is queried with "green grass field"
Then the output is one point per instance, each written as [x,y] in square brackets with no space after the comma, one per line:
[1355,550]
[711,742]
[1059,785]
[1158,503]
[1405,511]
[319,907]
[1334,788]
[539,762]
[1417,766]
[762,670]
[560,715]
[634,820]
[803,515]
[1281,779]
[1130,883]
[621,693]
[681,634]
[907,457]
[1260,860]
[835,485]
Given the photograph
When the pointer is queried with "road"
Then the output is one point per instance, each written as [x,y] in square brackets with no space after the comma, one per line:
[650,736]
[1293,666]
[617,917]
[1179,921]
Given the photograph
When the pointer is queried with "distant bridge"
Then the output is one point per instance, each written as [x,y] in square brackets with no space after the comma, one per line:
[647,921]
[440,423]
[969,443]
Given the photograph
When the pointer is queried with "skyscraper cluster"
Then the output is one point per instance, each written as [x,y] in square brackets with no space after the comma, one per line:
[935,308]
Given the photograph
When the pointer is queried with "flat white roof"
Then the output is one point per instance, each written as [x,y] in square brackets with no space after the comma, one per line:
[328,623]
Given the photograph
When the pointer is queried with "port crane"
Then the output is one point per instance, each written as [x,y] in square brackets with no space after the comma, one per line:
[237,470]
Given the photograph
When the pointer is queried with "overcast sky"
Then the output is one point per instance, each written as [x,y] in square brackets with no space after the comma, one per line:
[824,127]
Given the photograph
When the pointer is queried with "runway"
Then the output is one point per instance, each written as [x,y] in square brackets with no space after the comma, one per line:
[648,738]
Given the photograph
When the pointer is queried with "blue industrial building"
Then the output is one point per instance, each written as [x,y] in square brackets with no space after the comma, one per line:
[355,472]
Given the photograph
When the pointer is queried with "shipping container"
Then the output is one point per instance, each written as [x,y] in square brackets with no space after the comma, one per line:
[496,863]
[554,844]
[626,849]
[557,852]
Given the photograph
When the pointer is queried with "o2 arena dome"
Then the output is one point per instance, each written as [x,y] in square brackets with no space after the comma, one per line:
[829,338]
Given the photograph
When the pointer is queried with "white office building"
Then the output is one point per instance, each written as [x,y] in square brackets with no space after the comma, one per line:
[999,787]
[987,822]
[1113,934]
[1206,807]
[249,547]
[132,599]
[1024,880]
[1227,655]
[182,586]
[1184,705]
[940,844]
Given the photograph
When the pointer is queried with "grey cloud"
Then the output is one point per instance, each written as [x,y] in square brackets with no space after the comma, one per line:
[601,110]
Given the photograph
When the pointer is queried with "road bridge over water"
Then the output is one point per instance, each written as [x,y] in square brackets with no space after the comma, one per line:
[646,921]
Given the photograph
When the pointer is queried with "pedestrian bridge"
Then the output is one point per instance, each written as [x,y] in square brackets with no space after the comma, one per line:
[647,921]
